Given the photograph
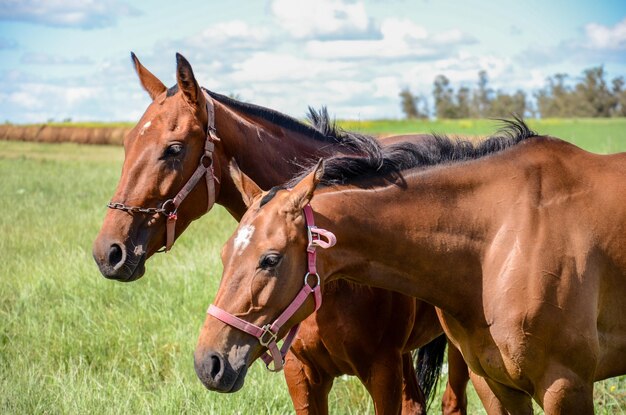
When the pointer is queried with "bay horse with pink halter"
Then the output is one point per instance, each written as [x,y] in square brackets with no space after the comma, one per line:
[176,168]
[518,241]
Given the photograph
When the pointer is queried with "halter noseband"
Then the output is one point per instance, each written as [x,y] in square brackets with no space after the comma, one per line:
[268,334]
[169,208]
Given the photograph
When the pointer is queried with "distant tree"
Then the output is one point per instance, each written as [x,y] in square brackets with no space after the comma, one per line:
[413,106]
[620,97]
[408,103]
[592,97]
[504,105]
[463,102]
[445,106]
[554,100]
[482,96]
[422,107]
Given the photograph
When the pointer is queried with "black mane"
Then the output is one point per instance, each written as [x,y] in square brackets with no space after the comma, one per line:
[322,128]
[387,163]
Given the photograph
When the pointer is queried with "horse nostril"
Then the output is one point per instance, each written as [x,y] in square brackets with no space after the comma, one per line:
[116,255]
[216,367]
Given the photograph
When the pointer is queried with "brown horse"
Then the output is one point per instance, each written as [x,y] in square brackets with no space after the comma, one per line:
[162,154]
[518,241]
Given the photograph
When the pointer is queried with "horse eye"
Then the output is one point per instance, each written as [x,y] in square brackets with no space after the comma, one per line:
[173,150]
[269,261]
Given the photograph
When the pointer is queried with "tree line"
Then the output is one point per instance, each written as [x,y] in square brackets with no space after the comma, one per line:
[590,96]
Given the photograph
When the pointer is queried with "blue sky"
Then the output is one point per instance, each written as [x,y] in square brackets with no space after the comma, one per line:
[71,58]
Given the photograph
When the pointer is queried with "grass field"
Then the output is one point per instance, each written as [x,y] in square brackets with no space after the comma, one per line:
[72,342]
[600,135]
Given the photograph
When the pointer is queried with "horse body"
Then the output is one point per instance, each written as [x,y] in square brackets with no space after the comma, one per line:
[524,239]
[333,342]
[521,251]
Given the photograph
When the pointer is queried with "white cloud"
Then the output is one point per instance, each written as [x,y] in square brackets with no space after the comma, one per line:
[401,38]
[84,14]
[270,66]
[331,19]
[231,34]
[24,99]
[40,58]
[605,37]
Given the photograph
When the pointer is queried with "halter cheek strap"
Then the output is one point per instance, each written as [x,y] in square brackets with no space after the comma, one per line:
[204,169]
[268,334]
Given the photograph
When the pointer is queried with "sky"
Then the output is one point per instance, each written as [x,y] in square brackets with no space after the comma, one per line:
[70,59]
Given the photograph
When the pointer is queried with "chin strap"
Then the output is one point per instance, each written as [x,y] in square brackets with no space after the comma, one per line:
[268,334]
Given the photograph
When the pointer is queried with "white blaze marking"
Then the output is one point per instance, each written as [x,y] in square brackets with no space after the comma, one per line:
[243,238]
[145,127]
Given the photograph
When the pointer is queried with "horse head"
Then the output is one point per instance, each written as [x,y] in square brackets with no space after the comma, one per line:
[262,294]
[162,153]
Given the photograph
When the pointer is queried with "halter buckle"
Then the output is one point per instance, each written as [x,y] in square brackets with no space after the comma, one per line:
[309,232]
[267,331]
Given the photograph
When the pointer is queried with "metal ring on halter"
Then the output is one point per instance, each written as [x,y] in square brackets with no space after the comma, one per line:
[306,280]
[204,158]
[164,207]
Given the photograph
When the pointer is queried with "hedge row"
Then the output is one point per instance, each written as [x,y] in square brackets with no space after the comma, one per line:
[57,134]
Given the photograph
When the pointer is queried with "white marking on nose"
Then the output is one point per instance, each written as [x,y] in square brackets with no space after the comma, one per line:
[138,250]
[243,238]
[145,127]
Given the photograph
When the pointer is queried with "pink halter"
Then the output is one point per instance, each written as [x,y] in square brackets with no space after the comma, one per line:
[268,334]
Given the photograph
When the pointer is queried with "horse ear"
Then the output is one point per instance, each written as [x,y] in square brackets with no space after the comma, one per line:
[186,80]
[247,187]
[149,82]
[302,193]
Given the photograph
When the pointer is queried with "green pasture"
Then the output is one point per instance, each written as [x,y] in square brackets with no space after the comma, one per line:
[72,342]
[600,135]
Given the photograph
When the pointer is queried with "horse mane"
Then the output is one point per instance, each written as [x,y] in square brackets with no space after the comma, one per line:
[321,127]
[389,162]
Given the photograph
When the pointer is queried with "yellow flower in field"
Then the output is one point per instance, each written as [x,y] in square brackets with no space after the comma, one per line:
[612,388]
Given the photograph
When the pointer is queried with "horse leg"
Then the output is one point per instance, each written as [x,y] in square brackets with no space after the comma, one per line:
[563,392]
[499,399]
[454,400]
[413,400]
[308,387]
[490,401]
[384,383]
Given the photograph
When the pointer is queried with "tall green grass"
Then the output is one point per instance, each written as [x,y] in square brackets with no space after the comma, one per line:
[72,342]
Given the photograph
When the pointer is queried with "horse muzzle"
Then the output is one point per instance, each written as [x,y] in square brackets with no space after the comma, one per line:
[217,373]
[116,262]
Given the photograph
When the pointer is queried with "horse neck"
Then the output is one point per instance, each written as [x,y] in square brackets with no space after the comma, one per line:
[426,241]
[266,152]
